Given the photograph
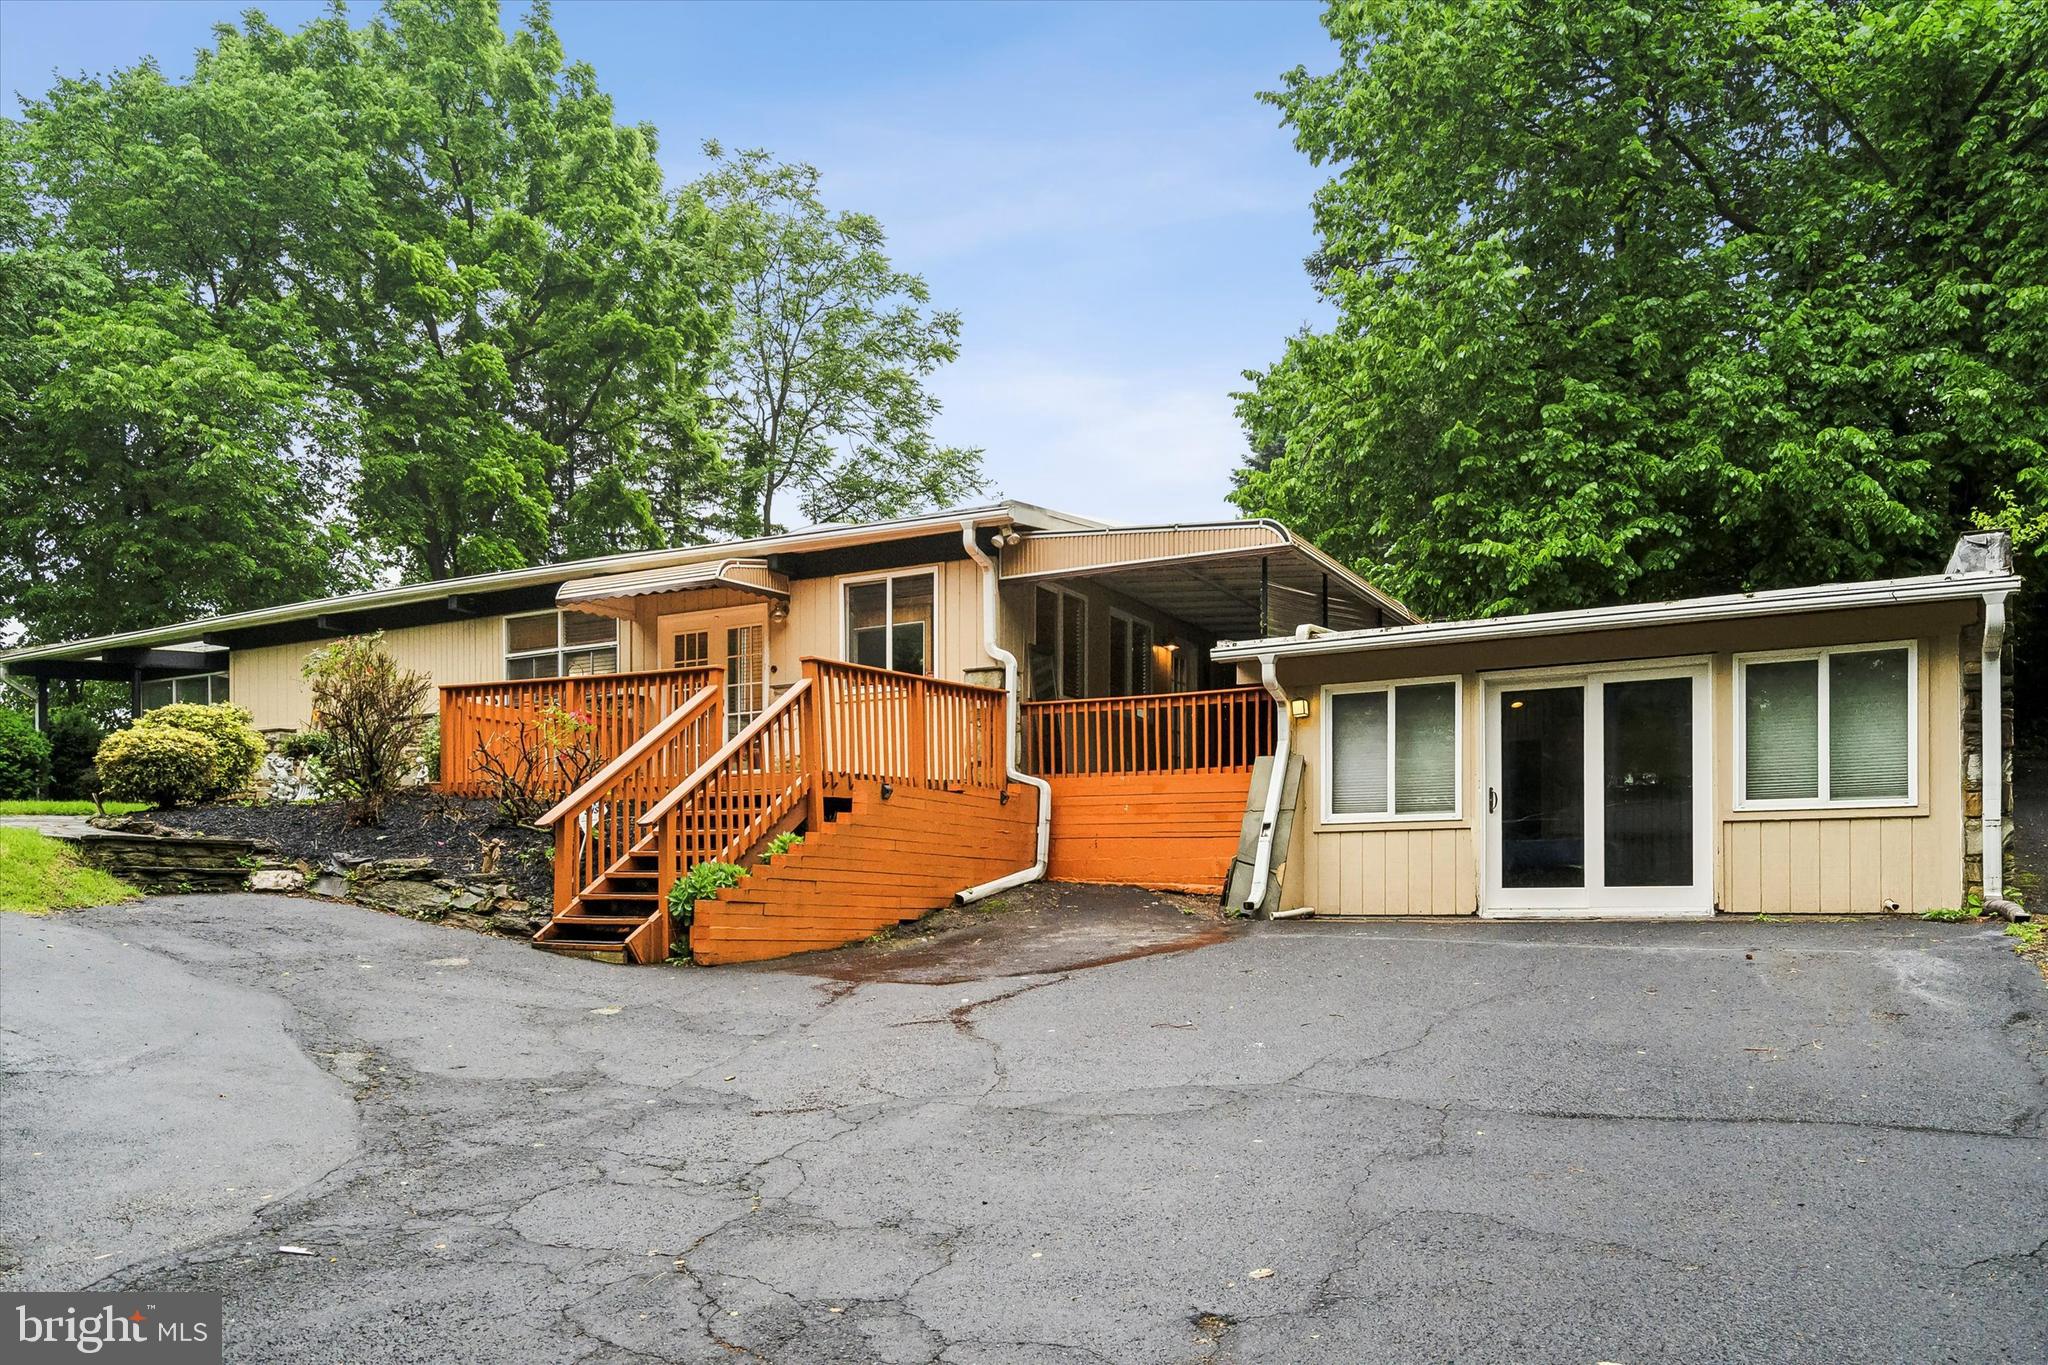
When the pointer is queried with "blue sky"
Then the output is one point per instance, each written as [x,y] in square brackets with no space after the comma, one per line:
[1093,187]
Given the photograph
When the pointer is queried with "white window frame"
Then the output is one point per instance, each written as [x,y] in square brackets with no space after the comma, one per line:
[1822,654]
[559,648]
[1131,624]
[1328,746]
[849,582]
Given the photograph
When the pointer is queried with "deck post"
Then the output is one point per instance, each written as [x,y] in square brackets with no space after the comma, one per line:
[811,737]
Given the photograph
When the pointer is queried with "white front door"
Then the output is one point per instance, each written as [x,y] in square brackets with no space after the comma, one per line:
[1598,788]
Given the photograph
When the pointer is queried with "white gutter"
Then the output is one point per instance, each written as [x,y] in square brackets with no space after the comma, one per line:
[990,608]
[1269,819]
[1833,597]
[1991,719]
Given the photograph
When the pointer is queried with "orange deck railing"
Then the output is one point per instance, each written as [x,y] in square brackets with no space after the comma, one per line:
[839,725]
[506,720]
[1170,732]
[879,726]
[598,824]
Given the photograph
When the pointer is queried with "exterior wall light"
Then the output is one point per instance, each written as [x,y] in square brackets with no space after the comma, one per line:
[1298,708]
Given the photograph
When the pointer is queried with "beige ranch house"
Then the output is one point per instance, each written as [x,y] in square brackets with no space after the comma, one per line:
[946,705]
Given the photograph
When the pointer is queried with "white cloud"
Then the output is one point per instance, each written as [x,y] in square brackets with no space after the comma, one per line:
[1150,446]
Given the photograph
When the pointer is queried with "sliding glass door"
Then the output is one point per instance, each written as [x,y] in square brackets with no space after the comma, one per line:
[1597,792]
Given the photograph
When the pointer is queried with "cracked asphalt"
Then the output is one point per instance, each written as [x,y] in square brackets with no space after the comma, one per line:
[1446,1141]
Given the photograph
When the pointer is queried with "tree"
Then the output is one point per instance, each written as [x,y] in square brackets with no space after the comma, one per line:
[160,449]
[1638,302]
[821,380]
[471,314]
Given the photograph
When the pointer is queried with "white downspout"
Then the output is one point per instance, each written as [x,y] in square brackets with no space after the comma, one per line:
[990,609]
[1262,862]
[1991,717]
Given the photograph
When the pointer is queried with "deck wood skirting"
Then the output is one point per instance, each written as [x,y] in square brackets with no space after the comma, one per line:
[878,864]
[1171,832]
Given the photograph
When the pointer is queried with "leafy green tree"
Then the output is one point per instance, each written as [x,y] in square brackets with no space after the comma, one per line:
[1638,301]
[821,381]
[469,312]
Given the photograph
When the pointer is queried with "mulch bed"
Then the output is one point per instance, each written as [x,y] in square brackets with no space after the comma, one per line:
[448,831]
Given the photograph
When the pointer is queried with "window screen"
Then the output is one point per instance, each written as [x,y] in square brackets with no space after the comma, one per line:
[1358,753]
[1868,706]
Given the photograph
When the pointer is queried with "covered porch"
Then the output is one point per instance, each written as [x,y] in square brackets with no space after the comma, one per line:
[1149,750]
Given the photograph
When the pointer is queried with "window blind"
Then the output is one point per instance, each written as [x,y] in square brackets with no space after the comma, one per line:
[1781,722]
[1425,749]
[1358,753]
[1868,749]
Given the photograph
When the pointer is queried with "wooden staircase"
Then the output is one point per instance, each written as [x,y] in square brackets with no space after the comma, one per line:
[896,782]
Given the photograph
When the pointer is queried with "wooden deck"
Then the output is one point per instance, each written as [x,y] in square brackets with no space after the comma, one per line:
[503,720]
[1148,791]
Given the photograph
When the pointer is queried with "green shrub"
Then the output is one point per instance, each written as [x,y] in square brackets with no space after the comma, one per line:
[780,844]
[300,745]
[24,757]
[238,745]
[703,880]
[370,709]
[74,738]
[158,764]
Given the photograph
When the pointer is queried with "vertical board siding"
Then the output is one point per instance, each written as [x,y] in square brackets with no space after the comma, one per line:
[1778,863]
[270,681]
[1168,833]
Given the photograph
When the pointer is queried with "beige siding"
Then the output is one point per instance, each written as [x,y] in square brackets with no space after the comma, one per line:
[814,627]
[1065,553]
[269,681]
[1779,863]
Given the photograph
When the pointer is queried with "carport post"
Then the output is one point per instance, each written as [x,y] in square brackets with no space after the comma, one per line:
[1265,595]
[43,705]
[134,695]
[1324,621]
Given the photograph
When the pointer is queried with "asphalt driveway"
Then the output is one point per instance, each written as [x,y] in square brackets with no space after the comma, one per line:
[1298,1142]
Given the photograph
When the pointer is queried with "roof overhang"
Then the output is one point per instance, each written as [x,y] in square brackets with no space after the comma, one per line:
[539,578]
[1210,575]
[612,594]
[1774,602]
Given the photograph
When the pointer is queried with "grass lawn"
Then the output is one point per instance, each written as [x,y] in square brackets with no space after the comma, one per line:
[66,807]
[38,875]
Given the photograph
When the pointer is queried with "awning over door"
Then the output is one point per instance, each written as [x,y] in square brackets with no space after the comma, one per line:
[611,594]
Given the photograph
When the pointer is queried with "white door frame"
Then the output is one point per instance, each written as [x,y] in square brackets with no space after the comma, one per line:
[1595,899]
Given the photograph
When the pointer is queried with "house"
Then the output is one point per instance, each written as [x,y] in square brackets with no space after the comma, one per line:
[939,702]
[946,705]
[1807,751]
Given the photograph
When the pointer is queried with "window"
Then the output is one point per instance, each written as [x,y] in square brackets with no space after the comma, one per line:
[1828,727]
[1391,752]
[746,658]
[560,644]
[889,622]
[1059,644]
[1130,655]
[202,688]
[693,648]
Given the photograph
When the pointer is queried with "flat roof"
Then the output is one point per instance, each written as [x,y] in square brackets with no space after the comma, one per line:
[544,575]
[1770,602]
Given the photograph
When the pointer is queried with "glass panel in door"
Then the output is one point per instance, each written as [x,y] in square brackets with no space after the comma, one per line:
[1647,782]
[745,660]
[1543,787]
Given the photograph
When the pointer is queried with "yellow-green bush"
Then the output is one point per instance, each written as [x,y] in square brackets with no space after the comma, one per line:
[158,764]
[239,747]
